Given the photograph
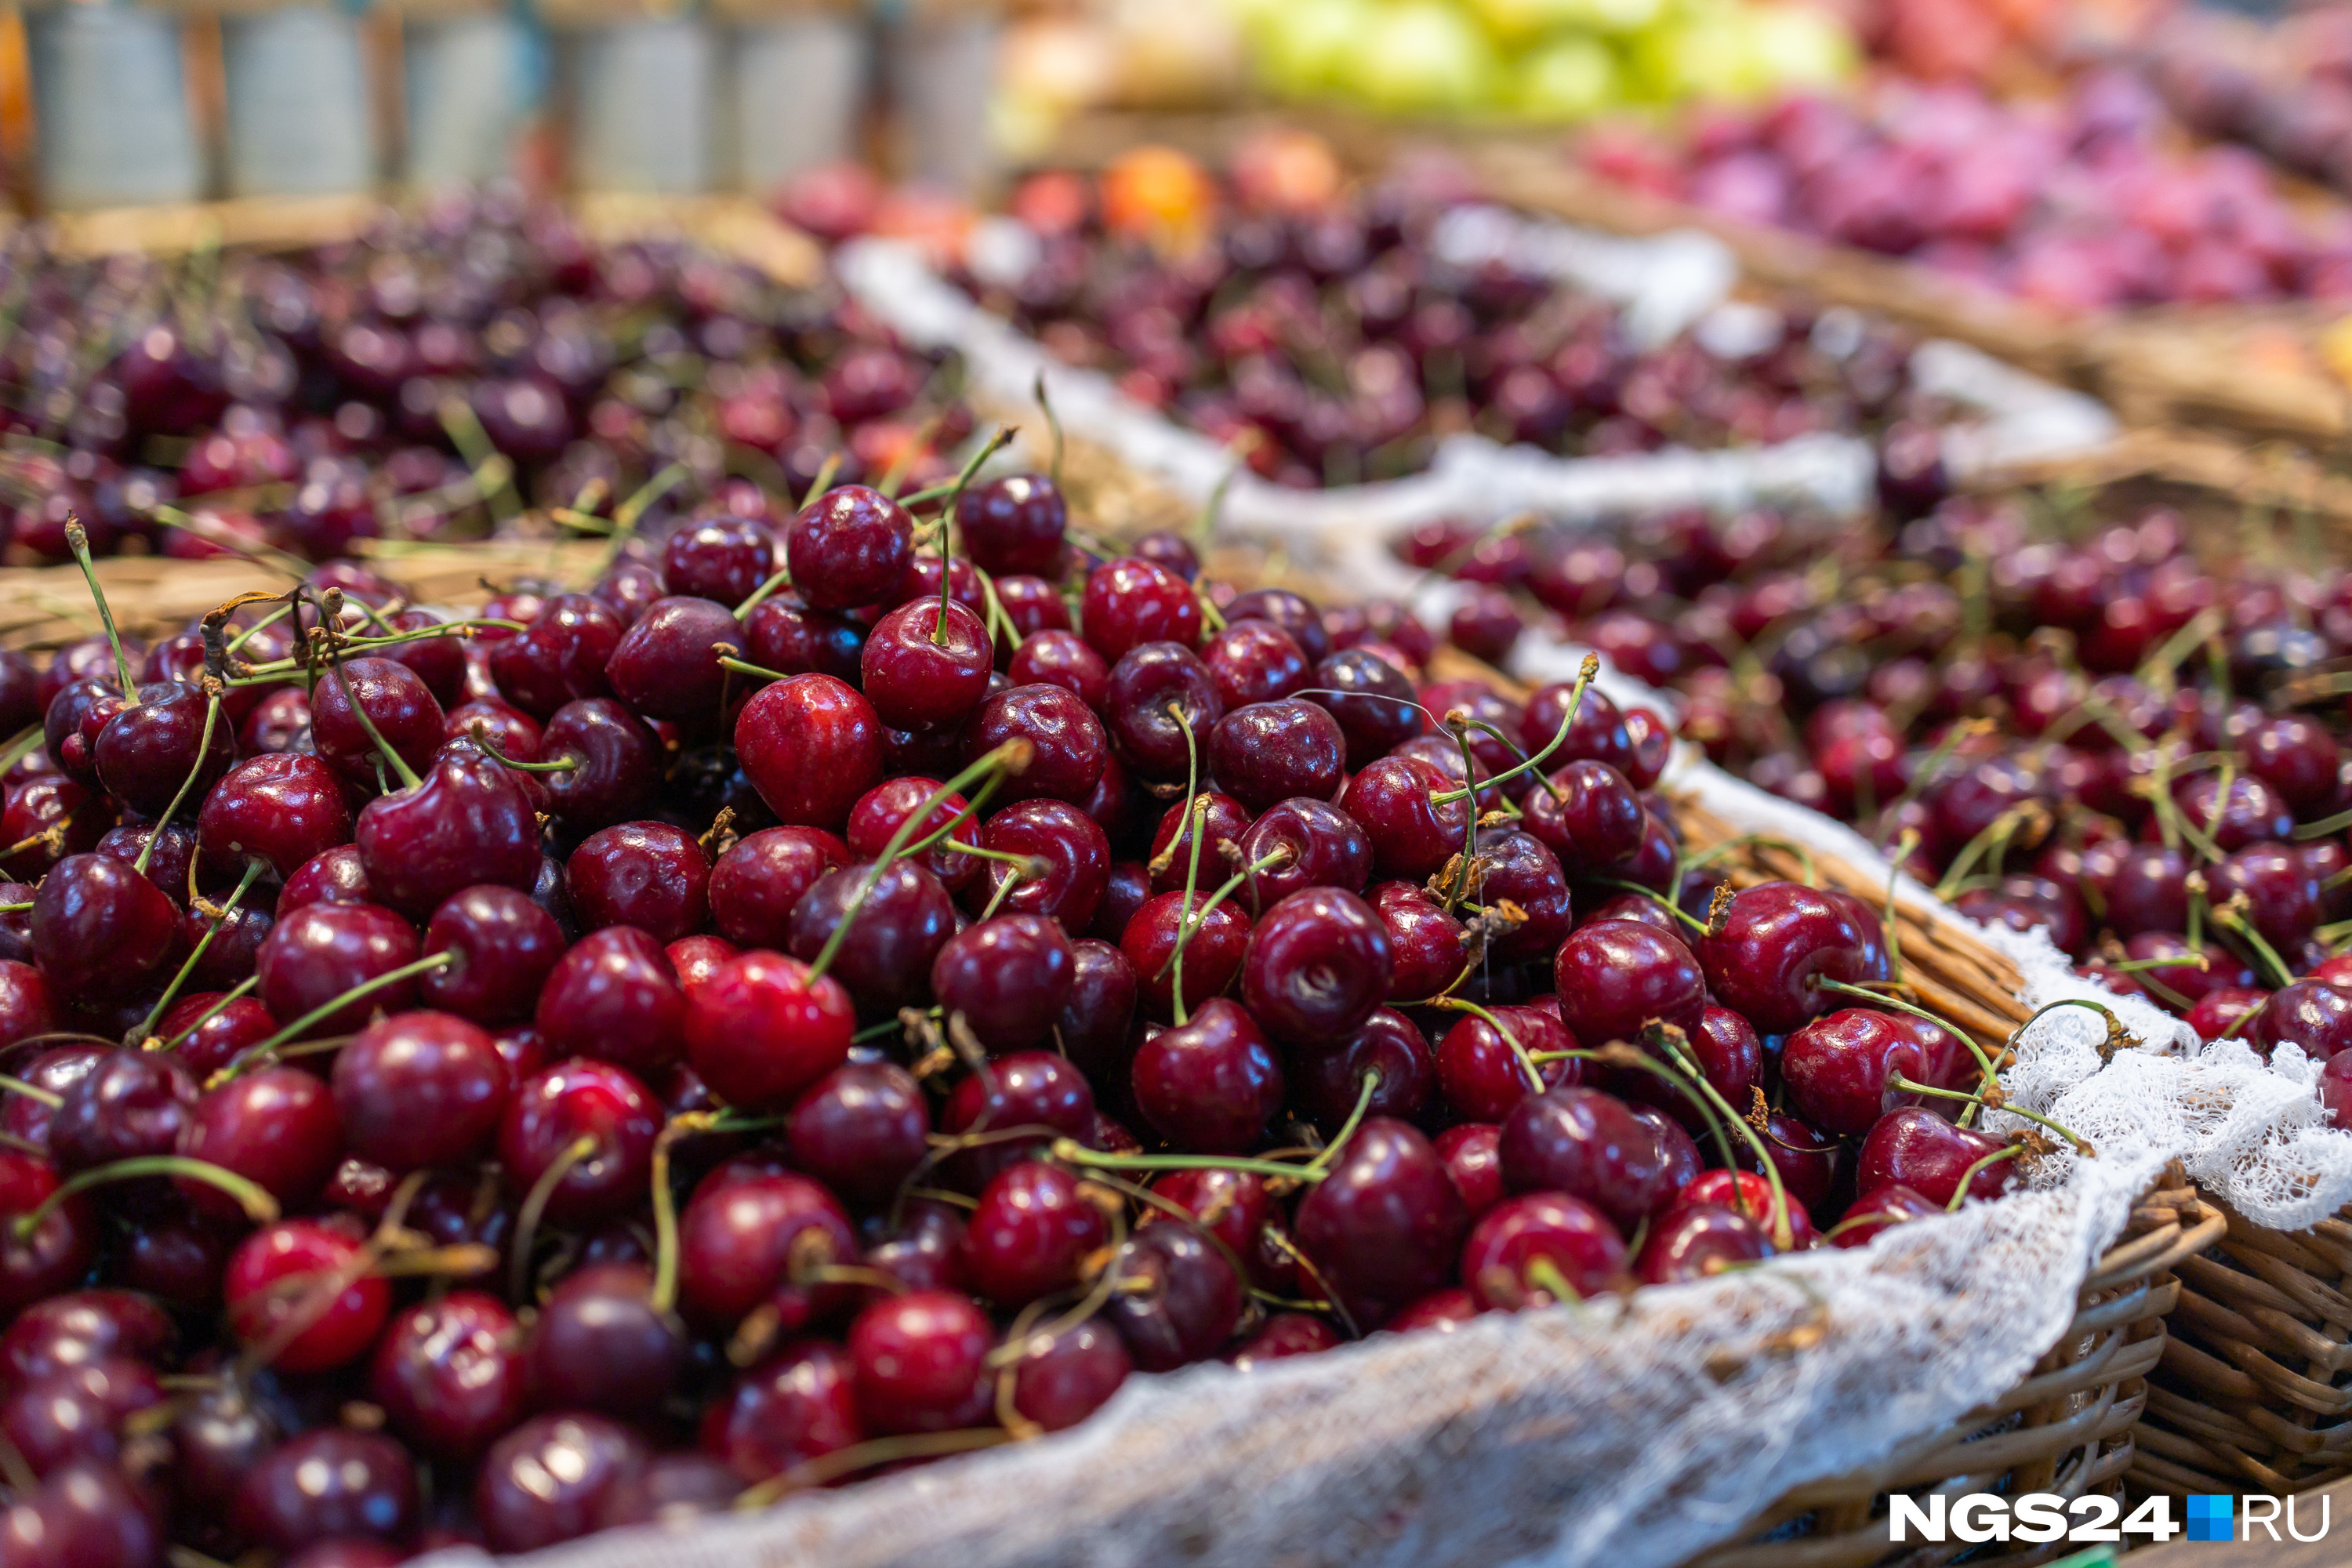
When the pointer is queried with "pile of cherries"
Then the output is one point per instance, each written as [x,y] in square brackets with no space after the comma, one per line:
[2099,736]
[428,382]
[2079,205]
[1336,345]
[2285,88]
[840,990]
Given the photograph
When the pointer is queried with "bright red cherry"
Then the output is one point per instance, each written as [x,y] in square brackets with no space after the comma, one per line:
[763,1028]
[300,1290]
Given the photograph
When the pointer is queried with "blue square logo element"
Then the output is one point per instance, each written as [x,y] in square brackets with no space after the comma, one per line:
[2209,1516]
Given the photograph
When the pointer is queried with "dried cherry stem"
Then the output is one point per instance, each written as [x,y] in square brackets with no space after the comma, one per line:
[1880,999]
[241,988]
[11,1084]
[1526,1062]
[534,1207]
[1070,1151]
[1355,1119]
[259,1206]
[864,1456]
[1585,676]
[1960,1194]
[1904,1085]
[480,734]
[329,1008]
[1012,757]
[78,540]
[252,869]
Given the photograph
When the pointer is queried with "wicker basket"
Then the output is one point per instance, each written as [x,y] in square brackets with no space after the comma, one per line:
[2254,1391]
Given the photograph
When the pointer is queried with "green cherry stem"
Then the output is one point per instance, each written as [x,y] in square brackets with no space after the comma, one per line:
[78,540]
[1584,677]
[259,1206]
[252,869]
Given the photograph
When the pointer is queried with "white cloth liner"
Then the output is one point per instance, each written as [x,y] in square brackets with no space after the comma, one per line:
[1581,1436]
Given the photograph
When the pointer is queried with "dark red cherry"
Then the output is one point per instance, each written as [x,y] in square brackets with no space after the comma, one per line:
[848,547]
[449,1373]
[2298,759]
[547,1481]
[571,1102]
[757,881]
[1503,1260]
[129,1104]
[750,1237]
[1699,1241]
[1068,748]
[1224,822]
[1186,1300]
[600,1343]
[332,876]
[396,700]
[2312,1015]
[1371,700]
[614,997]
[1211,1084]
[898,918]
[1158,691]
[1512,867]
[326,1485]
[798,1406]
[1598,733]
[82,1329]
[49,819]
[420,1089]
[1837,1068]
[1212,951]
[75,1413]
[812,746]
[1775,943]
[26,1009]
[1385,1224]
[1427,946]
[469,822]
[2144,885]
[57,1255]
[1473,1161]
[879,814]
[722,558]
[1413,835]
[1328,1076]
[919,1362]
[1034,604]
[1026,1090]
[695,959]
[281,1291]
[277,1128]
[1729,1057]
[1875,1212]
[1315,966]
[1128,602]
[1591,1145]
[324,950]
[924,667]
[1066,1377]
[1075,856]
[619,762]
[146,752]
[860,1129]
[1253,661]
[1034,1226]
[1591,817]
[1615,976]
[2283,897]
[784,634]
[666,665]
[562,657]
[1008,976]
[1483,1070]
[96,921]
[1915,1148]
[1056,657]
[762,1029]
[1269,751]
[286,809]
[1013,524]
[2252,812]
[649,875]
[503,945]
[87,1515]
[1325,847]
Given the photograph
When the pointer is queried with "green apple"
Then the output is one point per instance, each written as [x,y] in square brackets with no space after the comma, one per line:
[1424,57]
[1304,47]
[1568,78]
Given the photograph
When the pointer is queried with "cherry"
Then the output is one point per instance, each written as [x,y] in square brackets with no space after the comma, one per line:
[1324,846]
[75,1413]
[812,747]
[2145,886]
[1699,1241]
[449,1373]
[1593,1146]
[1876,1211]
[1269,751]
[420,1089]
[282,1292]
[1728,1056]
[784,634]
[146,752]
[127,1105]
[1775,943]
[1034,1226]
[546,1481]
[1186,1300]
[55,1070]
[799,1405]
[1513,868]
[1224,821]
[1058,656]
[81,1329]
[394,700]
[1329,1075]
[1414,835]
[1074,849]
[1471,1151]
[1915,1148]
[1591,817]
[763,1027]
[49,819]
[502,946]
[756,882]
[1500,1260]
[95,919]
[332,876]
[925,665]
[1026,1090]
[1616,976]
[25,1006]
[722,558]
[1210,1084]
[696,959]
[1315,966]
[2252,812]
[750,1237]
[1598,733]
[1008,976]
[1482,1073]
[84,1516]
[58,1253]
[1068,748]
[617,762]
[1127,602]
[1745,1193]
[573,1103]
[2298,759]
[1385,1224]
[468,821]
[666,665]
[884,809]
[328,1484]
[2283,897]
[2311,1013]
[850,546]
[1158,691]
[1439,1311]
[1837,1068]
[324,951]
[643,874]
[1427,946]
[861,1129]
[280,722]
[919,1362]
[2335,1090]
[898,918]
[601,1344]
[1013,524]
[560,658]
[286,809]
[1066,1377]
[1253,661]
[1212,953]
[277,1128]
